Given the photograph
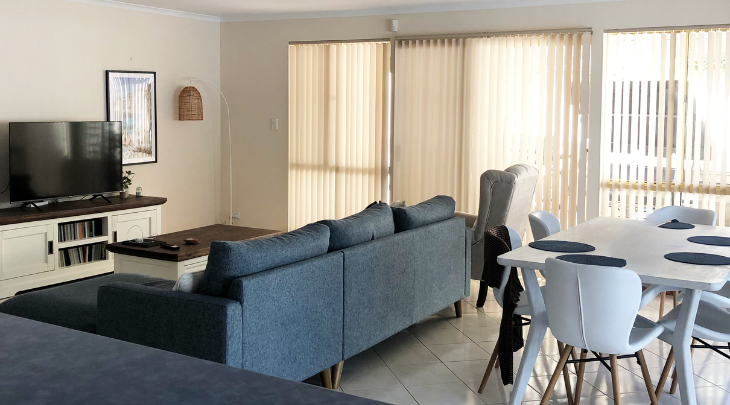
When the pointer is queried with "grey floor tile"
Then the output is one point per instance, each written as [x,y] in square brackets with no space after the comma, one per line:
[452,394]
[458,352]
[471,370]
[366,378]
[473,320]
[402,338]
[366,359]
[541,383]
[396,395]
[628,382]
[712,395]
[424,374]
[497,393]
[439,336]
[397,355]
[482,333]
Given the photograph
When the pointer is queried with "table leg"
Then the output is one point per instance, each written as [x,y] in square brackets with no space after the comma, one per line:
[682,342]
[535,336]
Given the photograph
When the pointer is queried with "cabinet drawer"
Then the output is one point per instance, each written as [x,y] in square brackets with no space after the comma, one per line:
[135,225]
[26,251]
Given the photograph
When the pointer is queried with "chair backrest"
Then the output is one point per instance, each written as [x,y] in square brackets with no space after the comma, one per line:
[516,242]
[543,224]
[689,215]
[505,198]
[591,307]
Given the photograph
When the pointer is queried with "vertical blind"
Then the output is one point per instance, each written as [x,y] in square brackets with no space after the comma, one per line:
[338,129]
[666,120]
[466,105]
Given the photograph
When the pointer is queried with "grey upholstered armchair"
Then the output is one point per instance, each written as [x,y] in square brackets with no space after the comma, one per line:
[505,198]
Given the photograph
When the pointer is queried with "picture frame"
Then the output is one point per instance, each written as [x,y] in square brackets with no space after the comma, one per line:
[131,97]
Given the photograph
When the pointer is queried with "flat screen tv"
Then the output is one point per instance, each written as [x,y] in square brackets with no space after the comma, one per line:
[64,159]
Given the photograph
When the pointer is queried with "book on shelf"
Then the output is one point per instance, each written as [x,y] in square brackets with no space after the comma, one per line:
[81,254]
[80,230]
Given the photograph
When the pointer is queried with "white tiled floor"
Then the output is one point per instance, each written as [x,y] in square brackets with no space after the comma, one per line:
[441,360]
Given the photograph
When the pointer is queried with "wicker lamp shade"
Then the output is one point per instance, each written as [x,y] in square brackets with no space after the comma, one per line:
[190,104]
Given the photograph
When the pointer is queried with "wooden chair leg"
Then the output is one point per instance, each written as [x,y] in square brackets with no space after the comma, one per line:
[615,380]
[674,295]
[665,374]
[458,306]
[581,374]
[566,375]
[662,297]
[647,377]
[337,374]
[492,361]
[326,377]
[496,365]
[675,381]
[556,374]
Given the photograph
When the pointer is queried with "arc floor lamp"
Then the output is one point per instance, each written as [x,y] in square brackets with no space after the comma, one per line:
[190,106]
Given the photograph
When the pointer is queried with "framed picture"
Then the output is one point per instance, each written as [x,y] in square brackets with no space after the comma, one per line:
[131,97]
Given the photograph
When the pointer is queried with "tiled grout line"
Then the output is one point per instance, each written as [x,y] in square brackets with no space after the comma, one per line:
[396,376]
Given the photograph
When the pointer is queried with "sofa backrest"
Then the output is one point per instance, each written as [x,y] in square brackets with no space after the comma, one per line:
[395,281]
[228,261]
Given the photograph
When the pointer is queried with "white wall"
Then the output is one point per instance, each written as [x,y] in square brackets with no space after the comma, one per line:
[53,54]
[254,77]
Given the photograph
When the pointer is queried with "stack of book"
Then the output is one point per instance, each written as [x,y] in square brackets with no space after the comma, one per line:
[79,230]
[81,254]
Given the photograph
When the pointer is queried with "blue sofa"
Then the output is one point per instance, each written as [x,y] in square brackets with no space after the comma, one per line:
[295,304]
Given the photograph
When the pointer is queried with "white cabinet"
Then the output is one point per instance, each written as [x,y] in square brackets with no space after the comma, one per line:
[25,251]
[135,225]
[31,255]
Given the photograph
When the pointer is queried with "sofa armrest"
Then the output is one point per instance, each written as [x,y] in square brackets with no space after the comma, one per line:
[195,325]
[470,219]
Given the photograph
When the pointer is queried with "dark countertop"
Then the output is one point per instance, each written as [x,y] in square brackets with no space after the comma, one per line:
[46,364]
[75,208]
[206,235]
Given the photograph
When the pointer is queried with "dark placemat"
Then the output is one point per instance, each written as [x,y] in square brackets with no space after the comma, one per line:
[594,260]
[698,258]
[561,246]
[710,240]
[674,224]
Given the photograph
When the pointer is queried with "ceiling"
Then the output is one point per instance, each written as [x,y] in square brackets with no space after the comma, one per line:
[249,10]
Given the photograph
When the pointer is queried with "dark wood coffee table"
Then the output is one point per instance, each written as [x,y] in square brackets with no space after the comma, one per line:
[168,264]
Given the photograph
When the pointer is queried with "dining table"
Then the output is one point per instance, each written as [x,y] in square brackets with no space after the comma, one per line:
[643,246]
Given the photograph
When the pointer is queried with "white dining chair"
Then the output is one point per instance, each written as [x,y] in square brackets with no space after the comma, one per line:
[696,216]
[593,308]
[711,323]
[543,224]
[523,308]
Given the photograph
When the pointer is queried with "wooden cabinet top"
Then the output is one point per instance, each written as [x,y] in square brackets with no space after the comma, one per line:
[75,208]
[206,235]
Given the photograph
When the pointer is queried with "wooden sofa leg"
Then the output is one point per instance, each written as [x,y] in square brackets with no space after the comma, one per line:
[326,377]
[458,306]
[337,374]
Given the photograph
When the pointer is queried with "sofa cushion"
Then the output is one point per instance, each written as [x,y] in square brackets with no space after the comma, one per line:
[188,282]
[228,261]
[436,209]
[372,223]
[72,305]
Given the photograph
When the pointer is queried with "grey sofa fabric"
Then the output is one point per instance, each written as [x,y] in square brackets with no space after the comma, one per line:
[372,223]
[419,272]
[505,199]
[378,287]
[230,260]
[292,317]
[436,209]
[439,258]
[195,325]
[70,305]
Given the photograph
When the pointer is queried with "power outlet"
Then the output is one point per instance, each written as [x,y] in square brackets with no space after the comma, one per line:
[274,124]
[236,215]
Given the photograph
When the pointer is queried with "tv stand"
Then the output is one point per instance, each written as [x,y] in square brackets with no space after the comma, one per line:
[100,196]
[27,203]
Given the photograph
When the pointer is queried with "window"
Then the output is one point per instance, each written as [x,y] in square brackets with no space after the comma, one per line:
[665,122]
[338,129]
[466,105]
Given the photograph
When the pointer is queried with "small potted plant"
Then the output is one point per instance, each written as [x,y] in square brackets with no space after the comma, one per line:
[127,177]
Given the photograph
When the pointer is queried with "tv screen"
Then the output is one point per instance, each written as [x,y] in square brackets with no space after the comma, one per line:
[64,159]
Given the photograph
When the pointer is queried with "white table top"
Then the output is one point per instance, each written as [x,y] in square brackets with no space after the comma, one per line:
[643,246]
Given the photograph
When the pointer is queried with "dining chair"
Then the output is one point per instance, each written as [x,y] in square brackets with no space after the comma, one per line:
[543,224]
[689,215]
[711,323]
[505,198]
[523,309]
[577,301]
